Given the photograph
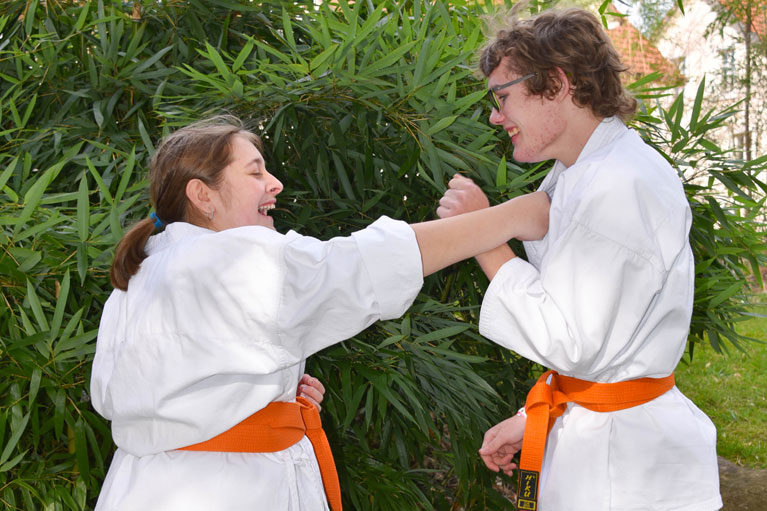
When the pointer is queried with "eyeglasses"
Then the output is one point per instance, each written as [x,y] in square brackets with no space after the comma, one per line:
[493,99]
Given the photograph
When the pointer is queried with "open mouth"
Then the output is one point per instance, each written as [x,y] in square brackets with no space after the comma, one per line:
[512,131]
[263,210]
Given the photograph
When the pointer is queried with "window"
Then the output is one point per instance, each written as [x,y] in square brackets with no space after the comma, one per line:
[739,144]
[728,66]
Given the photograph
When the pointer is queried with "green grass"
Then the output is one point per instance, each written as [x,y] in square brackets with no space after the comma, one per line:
[732,390]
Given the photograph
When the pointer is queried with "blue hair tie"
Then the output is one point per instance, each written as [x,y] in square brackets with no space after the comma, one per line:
[159,224]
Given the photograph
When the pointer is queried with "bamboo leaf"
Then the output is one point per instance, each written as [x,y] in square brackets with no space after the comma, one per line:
[287,29]
[441,125]
[99,181]
[61,302]
[28,111]
[83,210]
[145,138]
[726,293]
[319,63]
[14,112]
[215,57]
[243,55]
[81,259]
[8,172]
[80,18]
[97,115]
[114,224]
[14,439]
[151,60]
[35,193]
[5,467]
[29,16]
[500,173]
[126,175]
[388,60]
[37,309]
[382,386]
[59,403]
[31,261]
[81,449]
[697,104]
[272,51]
[343,177]
[442,333]
[62,343]
[390,340]
[34,385]
[644,80]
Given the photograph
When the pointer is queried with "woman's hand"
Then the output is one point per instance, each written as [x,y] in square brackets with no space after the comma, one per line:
[311,389]
[502,442]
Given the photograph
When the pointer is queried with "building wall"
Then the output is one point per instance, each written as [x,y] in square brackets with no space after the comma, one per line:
[719,57]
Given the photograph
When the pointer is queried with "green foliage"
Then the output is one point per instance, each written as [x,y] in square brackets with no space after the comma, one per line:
[732,391]
[365,109]
[653,15]
[727,196]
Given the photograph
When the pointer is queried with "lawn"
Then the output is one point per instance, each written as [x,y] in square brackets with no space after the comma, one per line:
[732,390]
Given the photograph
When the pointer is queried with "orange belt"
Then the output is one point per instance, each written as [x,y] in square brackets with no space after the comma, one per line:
[275,428]
[548,400]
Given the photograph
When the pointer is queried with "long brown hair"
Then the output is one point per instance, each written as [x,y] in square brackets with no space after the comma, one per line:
[573,40]
[199,151]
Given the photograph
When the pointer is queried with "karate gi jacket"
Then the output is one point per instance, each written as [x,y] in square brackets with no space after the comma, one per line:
[213,327]
[607,296]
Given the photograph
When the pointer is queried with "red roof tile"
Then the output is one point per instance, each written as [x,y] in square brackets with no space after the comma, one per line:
[758,13]
[640,55]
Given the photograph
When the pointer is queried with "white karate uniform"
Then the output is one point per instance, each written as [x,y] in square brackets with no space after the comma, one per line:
[215,326]
[607,296]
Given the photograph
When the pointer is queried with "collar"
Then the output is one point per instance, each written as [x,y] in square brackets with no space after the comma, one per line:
[173,232]
[607,131]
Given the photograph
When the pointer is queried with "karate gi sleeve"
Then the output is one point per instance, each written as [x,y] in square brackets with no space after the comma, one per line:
[598,283]
[335,289]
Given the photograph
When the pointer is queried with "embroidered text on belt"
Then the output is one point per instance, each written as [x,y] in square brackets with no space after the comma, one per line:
[547,400]
[275,428]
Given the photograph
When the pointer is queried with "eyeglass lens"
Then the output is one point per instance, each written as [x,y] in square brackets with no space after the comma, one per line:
[492,100]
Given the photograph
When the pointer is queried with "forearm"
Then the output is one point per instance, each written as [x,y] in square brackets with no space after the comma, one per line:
[491,261]
[449,240]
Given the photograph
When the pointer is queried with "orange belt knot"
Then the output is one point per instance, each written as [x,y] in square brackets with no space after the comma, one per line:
[275,428]
[548,399]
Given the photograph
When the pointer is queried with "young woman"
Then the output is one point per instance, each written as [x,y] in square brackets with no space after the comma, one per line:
[203,341]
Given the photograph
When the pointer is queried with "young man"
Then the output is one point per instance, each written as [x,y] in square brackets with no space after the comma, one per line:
[606,297]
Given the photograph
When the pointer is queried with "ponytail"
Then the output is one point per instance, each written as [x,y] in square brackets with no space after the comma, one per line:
[130,253]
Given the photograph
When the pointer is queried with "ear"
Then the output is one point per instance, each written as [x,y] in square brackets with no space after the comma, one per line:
[199,195]
[565,87]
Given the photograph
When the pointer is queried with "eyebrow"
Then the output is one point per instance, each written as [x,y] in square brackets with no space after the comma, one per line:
[257,161]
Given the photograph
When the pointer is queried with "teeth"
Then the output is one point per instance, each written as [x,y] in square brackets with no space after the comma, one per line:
[266,208]
[513,131]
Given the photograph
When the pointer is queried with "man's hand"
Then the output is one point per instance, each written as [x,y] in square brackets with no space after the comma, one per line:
[462,196]
[501,443]
[312,389]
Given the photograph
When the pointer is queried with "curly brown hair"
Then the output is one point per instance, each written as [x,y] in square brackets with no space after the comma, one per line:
[572,40]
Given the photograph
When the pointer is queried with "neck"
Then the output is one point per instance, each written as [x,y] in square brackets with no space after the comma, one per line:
[581,125]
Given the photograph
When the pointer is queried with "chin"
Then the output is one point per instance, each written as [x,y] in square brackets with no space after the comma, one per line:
[524,157]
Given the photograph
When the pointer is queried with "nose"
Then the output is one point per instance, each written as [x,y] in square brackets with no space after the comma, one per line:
[275,186]
[496,117]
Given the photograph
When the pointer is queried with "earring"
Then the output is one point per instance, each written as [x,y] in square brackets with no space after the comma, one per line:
[210,214]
